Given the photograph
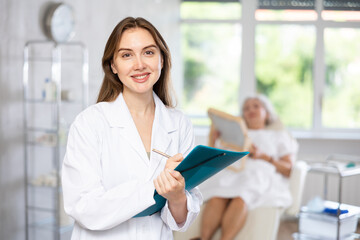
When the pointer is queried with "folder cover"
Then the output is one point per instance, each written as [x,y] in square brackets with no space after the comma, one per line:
[200,164]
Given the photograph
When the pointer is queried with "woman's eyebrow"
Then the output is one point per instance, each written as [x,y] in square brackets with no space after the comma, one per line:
[129,49]
[151,46]
[124,49]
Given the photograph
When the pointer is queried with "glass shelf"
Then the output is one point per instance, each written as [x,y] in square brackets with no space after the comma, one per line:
[335,169]
[42,101]
[43,186]
[40,129]
[49,59]
[42,209]
[46,125]
[49,224]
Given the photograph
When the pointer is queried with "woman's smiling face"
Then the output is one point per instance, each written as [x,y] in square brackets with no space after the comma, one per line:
[254,113]
[137,61]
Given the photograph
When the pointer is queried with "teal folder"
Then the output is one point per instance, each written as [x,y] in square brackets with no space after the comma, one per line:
[200,164]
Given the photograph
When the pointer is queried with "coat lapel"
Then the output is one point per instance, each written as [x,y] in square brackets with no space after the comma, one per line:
[118,115]
[161,135]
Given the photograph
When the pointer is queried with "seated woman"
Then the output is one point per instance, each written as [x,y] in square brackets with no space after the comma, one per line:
[263,182]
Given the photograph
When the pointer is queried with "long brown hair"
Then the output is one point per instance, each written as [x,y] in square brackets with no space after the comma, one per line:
[112,86]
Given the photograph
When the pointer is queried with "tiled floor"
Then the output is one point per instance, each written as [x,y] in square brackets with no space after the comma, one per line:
[288,227]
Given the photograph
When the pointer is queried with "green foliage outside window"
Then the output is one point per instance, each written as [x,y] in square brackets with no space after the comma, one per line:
[284,62]
[341,103]
[211,58]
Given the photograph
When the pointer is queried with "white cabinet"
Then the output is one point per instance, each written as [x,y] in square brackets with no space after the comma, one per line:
[55,79]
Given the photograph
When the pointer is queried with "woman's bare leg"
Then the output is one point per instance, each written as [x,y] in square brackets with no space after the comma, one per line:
[234,218]
[212,216]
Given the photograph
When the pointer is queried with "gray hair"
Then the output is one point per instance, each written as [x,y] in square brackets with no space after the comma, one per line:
[272,116]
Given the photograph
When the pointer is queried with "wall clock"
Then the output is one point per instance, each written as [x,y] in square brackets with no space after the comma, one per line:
[60,22]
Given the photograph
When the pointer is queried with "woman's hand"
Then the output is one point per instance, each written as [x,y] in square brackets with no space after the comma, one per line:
[254,153]
[283,165]
[171,185]
[174,161]
[217,134]
[214,134]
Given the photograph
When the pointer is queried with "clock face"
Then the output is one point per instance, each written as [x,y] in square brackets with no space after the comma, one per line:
[61,23]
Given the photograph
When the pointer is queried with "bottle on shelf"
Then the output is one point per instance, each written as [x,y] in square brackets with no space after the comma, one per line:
[49,93]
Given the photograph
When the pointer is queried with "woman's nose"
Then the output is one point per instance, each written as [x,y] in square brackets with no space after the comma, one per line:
[139,63]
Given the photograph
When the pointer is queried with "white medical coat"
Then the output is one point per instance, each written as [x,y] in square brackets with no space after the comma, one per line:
[107,177]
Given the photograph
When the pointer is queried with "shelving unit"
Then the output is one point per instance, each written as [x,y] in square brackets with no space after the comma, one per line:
[341,166]
[46,123]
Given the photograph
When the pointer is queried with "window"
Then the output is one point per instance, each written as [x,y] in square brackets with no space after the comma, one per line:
[283,69]
[306,59]
[341,101]
[286,54]
[211,48]
[284,58]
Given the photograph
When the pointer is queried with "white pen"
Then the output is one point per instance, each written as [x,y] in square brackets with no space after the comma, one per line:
[161,153]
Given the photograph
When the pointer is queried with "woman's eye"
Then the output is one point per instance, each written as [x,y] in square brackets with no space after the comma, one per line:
[125,55]
[149,52]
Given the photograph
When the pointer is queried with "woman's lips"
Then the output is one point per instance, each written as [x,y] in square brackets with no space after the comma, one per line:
[140,78]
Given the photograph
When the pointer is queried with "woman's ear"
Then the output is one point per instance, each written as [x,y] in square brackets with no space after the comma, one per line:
[267,118]
[113,69]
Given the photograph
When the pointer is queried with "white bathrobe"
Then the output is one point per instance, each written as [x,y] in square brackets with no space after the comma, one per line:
[258,184]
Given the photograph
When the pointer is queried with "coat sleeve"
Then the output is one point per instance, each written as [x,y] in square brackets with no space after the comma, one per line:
[85,198]
[194,197]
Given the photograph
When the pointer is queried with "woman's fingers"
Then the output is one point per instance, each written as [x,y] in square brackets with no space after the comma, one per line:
[217,134]
[157,186]
[174,161]
[178,177]
[162,183]
[178,157]
[169,184]
[253,151]
[160,186]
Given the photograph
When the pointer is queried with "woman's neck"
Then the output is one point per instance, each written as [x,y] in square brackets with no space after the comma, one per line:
[140,104]
[256,125]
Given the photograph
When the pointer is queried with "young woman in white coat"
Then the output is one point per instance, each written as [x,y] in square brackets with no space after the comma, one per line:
[109,172]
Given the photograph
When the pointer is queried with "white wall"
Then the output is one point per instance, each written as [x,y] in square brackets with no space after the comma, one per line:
[19,22]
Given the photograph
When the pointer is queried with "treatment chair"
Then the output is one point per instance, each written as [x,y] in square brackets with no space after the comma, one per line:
[262,223]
